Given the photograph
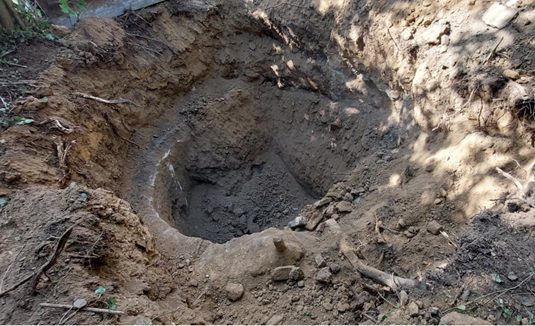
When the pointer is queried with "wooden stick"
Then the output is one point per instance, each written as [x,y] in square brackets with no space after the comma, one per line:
[493,50]
[279,244]
[388,31]
[98,99]
[68,306]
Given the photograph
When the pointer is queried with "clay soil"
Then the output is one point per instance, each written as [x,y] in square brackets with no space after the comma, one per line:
[179,141]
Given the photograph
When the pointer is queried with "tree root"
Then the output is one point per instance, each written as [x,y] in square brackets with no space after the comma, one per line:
[394,282]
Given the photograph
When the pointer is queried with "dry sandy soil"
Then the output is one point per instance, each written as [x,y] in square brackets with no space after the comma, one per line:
[159,155]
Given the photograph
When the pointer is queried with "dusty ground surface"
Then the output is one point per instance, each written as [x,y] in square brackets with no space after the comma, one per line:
[233,118]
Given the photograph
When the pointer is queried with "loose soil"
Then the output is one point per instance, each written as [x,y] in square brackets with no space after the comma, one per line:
[230,119]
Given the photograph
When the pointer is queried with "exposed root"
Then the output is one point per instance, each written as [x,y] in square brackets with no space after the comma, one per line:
[63,149]
[394,282]
[98,99]
[60,124]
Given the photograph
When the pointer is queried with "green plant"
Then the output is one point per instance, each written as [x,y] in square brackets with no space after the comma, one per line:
[75,11]
[112,304]
[505,311]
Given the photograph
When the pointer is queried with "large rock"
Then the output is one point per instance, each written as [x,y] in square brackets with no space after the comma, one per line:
[434,32]
[322,202]
[455,318]
[499,15]
[314,220]
[234,291]
[344,207]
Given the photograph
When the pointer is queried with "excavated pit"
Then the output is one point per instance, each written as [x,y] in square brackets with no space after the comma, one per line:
[262,132]
[235,157]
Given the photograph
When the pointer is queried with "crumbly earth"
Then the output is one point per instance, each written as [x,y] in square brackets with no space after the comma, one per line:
[235,117]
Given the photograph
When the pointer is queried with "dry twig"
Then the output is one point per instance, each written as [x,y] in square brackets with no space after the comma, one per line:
[492,51]
[68,306]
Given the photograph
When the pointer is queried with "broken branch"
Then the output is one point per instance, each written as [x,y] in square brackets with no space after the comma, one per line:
[68,306]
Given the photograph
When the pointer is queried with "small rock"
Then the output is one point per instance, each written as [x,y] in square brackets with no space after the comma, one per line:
[465,295]
[275,320]
[79,303]
[434,32]
[344,207]
[234,291]
[322,202]
[434,227]
[524,321]
[343,307]
[327,306]
[335,268]
[252,46]
[498,15]
[512,276]
[455,318]
[407,33]
[403,298]
[324,275]
[282,273]
[320,262]
[413,309]
[296,274]
[514,75]
[238,212]
[301,284]
[401,224]
[434,311]
[348,197]
[298,222]
[438,201]
[408,234]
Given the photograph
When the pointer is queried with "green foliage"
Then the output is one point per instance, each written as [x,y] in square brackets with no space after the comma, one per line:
[462,307]
[505,311]
[447,293]
[36,26]
[112,304]
[75,11]
[498,279]
[100,290]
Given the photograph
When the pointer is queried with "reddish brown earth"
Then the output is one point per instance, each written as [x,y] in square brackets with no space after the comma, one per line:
[232,119]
